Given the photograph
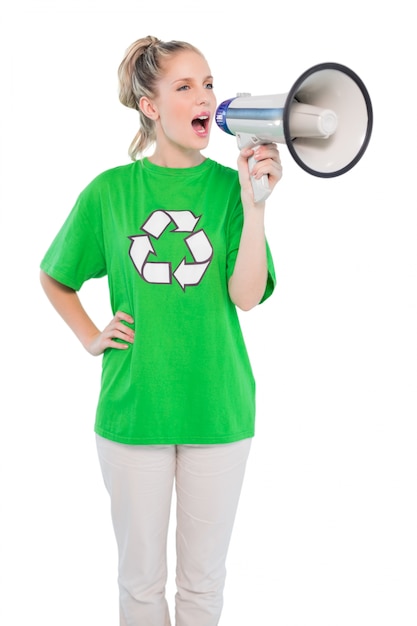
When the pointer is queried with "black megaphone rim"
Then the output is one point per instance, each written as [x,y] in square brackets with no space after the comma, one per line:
[286,117]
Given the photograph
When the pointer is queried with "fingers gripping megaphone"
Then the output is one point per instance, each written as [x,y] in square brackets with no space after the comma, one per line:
[325,120]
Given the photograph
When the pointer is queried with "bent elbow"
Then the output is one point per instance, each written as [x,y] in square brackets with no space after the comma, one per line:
[245,299]
[245,304]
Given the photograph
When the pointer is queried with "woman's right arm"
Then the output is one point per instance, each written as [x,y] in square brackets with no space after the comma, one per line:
[67,303]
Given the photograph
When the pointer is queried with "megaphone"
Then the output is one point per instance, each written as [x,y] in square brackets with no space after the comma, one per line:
[325,120]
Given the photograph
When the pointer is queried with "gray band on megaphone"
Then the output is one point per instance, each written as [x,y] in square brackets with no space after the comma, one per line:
[254,114]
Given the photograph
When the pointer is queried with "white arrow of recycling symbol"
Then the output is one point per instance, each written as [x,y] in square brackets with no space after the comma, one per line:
[186,274]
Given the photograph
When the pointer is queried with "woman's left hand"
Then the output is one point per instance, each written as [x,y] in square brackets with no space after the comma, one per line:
[267,162]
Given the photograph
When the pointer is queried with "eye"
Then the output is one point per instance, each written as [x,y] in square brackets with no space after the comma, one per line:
[209,86]
[183,88]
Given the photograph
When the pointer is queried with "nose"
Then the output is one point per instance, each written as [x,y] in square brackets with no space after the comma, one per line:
[202,97]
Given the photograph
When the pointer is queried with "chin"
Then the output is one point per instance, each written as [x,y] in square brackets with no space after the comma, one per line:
[203,142]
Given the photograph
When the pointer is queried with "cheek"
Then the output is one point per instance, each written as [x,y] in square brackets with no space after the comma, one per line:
[177,118]
[175,128]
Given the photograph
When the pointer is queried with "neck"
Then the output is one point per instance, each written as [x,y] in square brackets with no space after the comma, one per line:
[176,159]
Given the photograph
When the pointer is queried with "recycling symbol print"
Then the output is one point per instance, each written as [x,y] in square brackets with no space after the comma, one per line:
[159,271]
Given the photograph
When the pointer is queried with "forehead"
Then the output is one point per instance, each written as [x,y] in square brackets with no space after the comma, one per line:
[185,64]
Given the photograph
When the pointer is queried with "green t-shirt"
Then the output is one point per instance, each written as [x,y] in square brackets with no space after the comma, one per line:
[167,239]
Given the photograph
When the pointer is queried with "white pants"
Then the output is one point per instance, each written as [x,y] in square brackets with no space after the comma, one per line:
[140,481]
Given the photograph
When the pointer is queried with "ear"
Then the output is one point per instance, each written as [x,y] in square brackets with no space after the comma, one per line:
[148,108]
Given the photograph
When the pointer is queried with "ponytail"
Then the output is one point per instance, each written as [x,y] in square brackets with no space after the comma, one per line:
[138,74]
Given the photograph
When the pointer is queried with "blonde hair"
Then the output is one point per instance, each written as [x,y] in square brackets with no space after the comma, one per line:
[138,75]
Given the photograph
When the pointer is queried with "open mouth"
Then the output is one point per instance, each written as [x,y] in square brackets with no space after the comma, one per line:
[200,124]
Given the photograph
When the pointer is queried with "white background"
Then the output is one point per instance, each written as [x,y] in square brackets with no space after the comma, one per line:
[326,532]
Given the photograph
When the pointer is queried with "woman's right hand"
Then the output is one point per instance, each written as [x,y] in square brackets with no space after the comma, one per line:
[67,303]
[116,329]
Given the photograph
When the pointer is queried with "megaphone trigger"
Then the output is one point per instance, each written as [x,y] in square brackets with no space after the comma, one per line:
[260,186]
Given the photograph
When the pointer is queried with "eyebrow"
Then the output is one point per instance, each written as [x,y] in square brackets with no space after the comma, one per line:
[188,79]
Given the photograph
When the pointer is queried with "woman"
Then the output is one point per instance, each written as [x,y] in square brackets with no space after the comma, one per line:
[182,243]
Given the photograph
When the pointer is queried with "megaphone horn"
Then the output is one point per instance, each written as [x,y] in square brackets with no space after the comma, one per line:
[325,120]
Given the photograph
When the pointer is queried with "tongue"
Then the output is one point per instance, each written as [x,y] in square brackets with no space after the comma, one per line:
[197,125]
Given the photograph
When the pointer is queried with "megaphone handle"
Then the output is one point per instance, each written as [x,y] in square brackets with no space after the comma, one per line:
[261,189]
[260,186]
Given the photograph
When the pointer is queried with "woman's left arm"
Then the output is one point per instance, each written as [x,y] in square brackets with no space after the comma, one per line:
[248,281]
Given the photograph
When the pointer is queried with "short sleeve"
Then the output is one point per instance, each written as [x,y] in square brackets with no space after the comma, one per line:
[77,252]
[271,280]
